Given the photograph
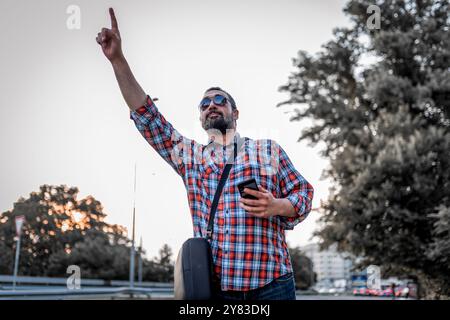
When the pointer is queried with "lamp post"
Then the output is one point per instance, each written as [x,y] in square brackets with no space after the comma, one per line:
[19,222]
[140,263]
[132,237]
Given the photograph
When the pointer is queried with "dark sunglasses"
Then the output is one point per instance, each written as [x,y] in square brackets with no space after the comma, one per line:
[218,100]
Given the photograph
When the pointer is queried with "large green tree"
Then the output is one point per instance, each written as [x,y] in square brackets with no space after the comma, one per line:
[61,230]
[379,99]
[57,224]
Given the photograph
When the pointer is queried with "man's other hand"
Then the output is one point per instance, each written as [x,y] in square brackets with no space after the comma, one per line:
[266,205]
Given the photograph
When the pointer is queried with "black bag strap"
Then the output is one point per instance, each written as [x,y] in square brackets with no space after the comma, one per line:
[222,181]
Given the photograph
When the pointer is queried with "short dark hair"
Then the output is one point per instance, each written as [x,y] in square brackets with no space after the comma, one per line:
[230,98]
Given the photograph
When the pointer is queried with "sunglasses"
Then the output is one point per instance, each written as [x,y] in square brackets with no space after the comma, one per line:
[218,100]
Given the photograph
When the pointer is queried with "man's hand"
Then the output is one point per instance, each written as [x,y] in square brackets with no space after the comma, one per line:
[111,44]
[110,41]
[266,205]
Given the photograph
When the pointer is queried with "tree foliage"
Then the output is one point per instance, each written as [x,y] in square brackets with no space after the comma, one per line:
[305,277]
[61,230]
[380,101]
[161,268]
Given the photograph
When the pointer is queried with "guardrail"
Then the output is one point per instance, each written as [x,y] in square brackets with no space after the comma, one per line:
[84,282]
[56,288]
[88,293]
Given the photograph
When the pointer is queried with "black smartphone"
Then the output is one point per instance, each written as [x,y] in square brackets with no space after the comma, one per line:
[251,184]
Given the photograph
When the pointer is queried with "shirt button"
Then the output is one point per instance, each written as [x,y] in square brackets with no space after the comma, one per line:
[226,231]
[226,211]
[225,252]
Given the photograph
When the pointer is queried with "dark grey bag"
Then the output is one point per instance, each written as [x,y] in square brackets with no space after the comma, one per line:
[193,271]
[194,266]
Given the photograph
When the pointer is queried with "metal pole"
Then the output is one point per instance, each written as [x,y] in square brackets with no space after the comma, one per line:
[132,237]
[140,263]
[16,262]
[132,258]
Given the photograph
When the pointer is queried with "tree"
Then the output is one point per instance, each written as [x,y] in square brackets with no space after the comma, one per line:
[56,221]
[304,275]
[97,259]
[386,129]
[161,268]
[61,230]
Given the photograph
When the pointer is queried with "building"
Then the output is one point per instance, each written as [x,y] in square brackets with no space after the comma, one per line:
[329,265]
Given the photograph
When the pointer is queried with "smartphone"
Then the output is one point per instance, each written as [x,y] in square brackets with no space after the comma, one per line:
[251,184]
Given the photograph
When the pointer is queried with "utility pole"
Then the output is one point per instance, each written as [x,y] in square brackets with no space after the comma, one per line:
[132,237]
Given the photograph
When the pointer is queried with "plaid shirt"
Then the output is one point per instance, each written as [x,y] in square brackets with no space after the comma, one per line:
[248,252]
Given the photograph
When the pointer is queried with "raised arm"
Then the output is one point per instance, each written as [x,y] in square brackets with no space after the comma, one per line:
[111,43]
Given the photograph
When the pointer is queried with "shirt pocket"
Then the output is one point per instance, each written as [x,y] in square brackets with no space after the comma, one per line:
[209,179]
[264,175]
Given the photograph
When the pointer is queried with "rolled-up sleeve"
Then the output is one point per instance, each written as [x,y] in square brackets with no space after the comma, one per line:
[161,135]
[295,188]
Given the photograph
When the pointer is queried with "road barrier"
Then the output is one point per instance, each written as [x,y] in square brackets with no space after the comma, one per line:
[56,288]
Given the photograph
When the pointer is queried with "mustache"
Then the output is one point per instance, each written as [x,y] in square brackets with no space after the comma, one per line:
[214,111]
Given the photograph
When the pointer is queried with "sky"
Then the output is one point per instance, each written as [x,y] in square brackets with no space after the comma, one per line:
[63,119]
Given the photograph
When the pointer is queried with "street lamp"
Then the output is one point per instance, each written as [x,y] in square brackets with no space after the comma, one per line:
[132,237]
[19,222]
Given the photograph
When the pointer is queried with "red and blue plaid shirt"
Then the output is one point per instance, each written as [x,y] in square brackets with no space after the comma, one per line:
[248,252]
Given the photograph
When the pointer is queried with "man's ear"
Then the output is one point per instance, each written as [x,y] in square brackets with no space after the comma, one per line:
[235,114]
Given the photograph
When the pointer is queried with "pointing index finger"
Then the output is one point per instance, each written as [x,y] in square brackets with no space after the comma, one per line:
[113,19]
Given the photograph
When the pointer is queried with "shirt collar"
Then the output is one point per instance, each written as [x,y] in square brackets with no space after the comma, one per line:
[235,139]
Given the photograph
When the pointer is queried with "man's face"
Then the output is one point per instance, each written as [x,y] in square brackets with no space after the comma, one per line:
[218,117]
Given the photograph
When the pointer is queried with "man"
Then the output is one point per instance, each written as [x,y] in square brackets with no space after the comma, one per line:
[250,254]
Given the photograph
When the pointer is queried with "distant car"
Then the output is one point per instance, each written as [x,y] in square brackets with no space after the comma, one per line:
[358,292]
[323,290]
[386,292]
[374,292]
[402,292]
[362,292]
[366,292]
[341,289]
[332,290]
[405,292]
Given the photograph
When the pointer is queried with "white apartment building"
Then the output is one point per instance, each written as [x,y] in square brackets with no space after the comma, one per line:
[329,265]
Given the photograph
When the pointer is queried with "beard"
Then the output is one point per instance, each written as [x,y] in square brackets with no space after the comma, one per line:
[220,123]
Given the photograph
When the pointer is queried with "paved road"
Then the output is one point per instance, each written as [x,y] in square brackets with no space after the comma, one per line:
[343,297]
[59,293]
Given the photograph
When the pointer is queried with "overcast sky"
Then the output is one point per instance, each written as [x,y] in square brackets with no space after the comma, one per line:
[63,119]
